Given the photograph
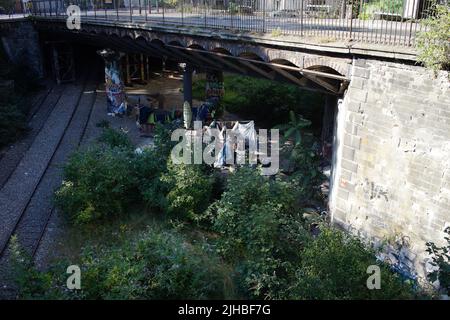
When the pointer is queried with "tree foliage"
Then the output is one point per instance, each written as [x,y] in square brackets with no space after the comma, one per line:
[440,260]
[433,44]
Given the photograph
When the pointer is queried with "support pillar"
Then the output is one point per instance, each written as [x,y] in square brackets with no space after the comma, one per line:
[187,82]
[63,64]
[114,87]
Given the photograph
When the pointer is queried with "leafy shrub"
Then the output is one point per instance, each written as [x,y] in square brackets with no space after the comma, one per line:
[98,182]
[440,257]
[381,6]
[148,168]
[433,44]
[115,138]
[306,177]
[334,266]
[162,139]
[153,264]
[156,265]
[190,190]
[248,191]
[31,283]
[106,179]
[260,229]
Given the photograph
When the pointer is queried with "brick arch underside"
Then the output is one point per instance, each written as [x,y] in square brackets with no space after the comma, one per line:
[298,59]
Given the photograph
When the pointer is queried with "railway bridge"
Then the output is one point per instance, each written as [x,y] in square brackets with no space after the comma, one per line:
[391,137]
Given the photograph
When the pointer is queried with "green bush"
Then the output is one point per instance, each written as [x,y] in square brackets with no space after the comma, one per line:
[157,265]
[154,264]
[106,179]
[334,266]
[249,192]
[381,6]
[440,259]
[148,169]
[307,176]
[31,283]
[190,190]
[433,44]
[162,140]
[98,182]
[261,231]
[115,138]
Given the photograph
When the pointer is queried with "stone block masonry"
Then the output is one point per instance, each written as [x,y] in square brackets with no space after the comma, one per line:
[391,180]
[21,45]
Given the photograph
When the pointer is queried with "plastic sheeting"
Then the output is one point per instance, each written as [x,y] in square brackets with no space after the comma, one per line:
[239,139]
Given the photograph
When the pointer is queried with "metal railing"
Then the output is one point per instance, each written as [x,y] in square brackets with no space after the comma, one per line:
[392,22]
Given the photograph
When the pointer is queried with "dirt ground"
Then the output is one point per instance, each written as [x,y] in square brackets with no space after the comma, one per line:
[169,85]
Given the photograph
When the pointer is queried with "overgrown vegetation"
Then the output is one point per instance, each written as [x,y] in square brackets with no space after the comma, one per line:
[256,99]
[105,179]
[440,260]
[433,44]
[391,7]
[190,189]
[261,231]
[334,266]
[99,183]
[16,84]
[153,264]
[249,238]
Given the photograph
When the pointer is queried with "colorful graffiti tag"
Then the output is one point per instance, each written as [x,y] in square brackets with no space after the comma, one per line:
[214,85]
[115,93]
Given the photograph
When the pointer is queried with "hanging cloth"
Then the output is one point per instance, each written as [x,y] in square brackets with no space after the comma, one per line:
[221,156]
[247,132]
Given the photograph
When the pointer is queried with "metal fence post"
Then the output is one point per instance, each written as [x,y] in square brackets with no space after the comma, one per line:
[182,12]
[131,11]
[351,20]
[117,9]
[301,18]
[264,16]
[145,9]
[204,9]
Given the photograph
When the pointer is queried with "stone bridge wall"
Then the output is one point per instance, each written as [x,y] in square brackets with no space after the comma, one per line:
[392,177]
[20,42]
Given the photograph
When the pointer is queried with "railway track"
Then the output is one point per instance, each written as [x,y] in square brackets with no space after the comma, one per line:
[32,218]
[38,116]
[52,210]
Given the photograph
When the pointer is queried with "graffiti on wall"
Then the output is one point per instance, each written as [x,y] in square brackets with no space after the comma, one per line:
[214,85]
[114,87]
[374,191]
